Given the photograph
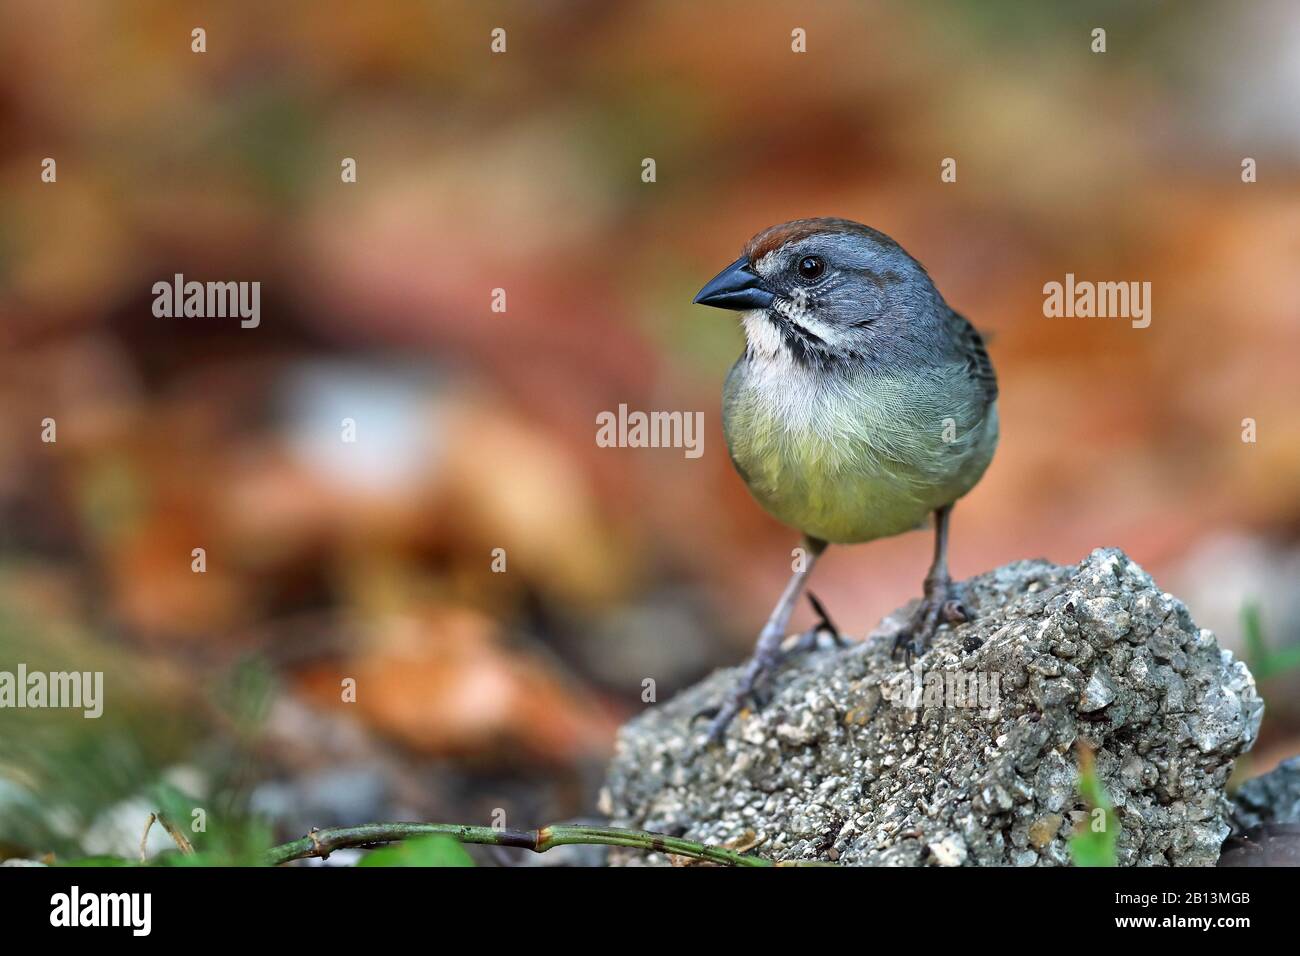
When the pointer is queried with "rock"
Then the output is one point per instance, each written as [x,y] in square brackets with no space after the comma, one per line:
[1099,692]
[1266,820]
[969,757]
[1271,798]
[949,851]
[1042,830]
[1273,844]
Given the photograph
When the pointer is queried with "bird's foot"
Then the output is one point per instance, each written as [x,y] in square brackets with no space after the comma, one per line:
[767,656]
[942,604]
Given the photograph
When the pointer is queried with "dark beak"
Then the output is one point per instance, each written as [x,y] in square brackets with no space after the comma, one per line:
[735,287]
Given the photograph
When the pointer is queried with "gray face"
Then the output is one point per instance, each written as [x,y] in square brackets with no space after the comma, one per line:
[844,296]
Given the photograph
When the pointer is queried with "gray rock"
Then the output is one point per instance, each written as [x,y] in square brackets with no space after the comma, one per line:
[1099,692]
[1271,798]
[1266,820]
[968,757]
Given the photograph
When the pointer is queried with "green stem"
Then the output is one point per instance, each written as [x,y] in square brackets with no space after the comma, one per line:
[322,842]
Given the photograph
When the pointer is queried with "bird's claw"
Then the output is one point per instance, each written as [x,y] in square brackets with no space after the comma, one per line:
[824,623]
[738,699]
[941,604]
[808,639]
[760,665]
[721,715]
[910,645]
[954,612]
[703,712]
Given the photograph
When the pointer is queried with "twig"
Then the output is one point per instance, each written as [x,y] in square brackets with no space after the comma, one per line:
[322,842]
[177,836]
[144,837]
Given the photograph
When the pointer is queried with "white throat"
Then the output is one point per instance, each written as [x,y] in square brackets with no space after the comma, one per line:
[763,336]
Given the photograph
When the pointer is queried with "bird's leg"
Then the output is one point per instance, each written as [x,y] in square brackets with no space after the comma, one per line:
[767,652]
[941,600]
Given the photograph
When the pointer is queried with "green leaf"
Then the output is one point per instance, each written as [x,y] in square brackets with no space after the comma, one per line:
[1093,844]
[1095,849]
[433,850]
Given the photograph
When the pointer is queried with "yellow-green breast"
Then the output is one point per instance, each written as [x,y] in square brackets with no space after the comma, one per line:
[854,458]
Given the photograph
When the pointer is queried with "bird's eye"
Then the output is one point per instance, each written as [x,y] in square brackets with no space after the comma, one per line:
[811,268]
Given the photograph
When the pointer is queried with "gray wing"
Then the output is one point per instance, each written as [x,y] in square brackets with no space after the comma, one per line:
[970,345]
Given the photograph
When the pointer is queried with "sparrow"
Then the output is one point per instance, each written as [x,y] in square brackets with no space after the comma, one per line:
[863,405]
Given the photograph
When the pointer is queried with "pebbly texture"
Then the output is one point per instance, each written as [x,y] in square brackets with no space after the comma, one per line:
[969,757]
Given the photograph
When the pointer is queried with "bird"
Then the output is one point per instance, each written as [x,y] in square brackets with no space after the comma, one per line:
[862,407]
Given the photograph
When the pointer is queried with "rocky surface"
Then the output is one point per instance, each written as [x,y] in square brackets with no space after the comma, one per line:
[970,756]
[1271,798]
[1266,820]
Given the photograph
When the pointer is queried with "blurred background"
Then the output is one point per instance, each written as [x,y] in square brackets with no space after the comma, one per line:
[482,694]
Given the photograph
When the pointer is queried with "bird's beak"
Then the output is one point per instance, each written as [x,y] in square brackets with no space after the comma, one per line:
[735,287]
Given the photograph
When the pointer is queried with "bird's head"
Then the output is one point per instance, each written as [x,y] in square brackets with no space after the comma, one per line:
[821,290]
